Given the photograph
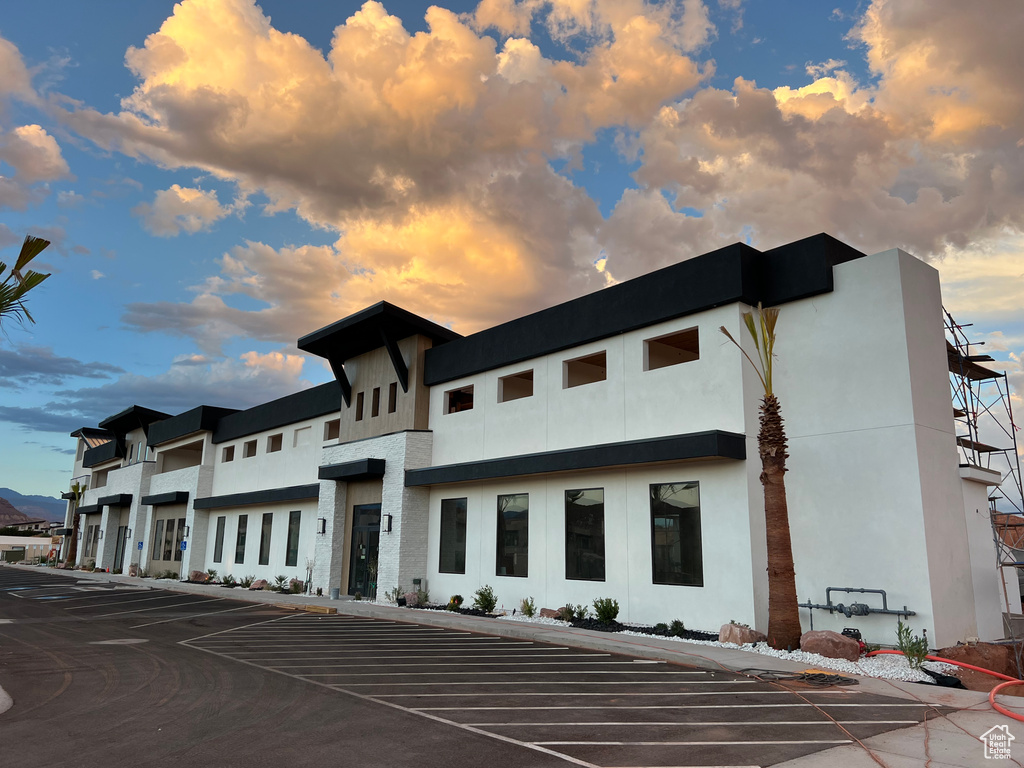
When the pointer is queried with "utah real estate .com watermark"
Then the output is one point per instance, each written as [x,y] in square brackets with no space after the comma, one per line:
[997,742]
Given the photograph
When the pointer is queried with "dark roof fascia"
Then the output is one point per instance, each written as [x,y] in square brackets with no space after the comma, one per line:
[92,432]
[201,419]
[269,496]
[105,452]
[714,444]
[307,404]
[735,273]
[131,418]
[361,332]
[117,500]
[363,469]
[162,499]
[89,509]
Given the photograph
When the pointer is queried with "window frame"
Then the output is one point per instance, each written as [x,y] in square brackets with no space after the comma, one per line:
[459,400]
[660,340]
[572,377]
[449,561]
[241,533]
[510,553]
[291,550]
[521,376]
[696,558]
[218,542]
[266,535]
[574,556]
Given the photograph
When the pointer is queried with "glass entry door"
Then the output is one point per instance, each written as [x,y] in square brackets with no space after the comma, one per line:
[122,534]
[362,568]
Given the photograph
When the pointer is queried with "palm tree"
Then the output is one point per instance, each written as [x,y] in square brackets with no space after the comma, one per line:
[15,285]
[783,611]
[77,492]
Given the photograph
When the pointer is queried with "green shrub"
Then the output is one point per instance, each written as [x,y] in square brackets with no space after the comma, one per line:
[392,595]
[295,587]
[229,580]
[606,609]
[422,597]
[661,627]
[212,573]
[246,581]
[914,648]
[455,602]
[279,582]
[143,573]
[357,596]
[484,599]
[676,628]
[528,608]
[570,612]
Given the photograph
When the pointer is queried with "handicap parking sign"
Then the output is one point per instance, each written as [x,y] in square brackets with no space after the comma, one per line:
[183,545]
[140,545]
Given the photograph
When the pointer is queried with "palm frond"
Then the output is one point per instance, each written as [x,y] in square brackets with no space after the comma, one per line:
[31,248]
[762,332]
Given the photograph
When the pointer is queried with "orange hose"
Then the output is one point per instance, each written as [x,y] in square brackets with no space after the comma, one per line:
[963,664]
[1002,710]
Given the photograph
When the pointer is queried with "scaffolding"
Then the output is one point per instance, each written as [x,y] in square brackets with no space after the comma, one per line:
[986,436]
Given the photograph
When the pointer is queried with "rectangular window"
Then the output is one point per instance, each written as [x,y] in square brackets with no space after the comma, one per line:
[158,541]
[301,437]
[515,387]
[275,442]
[359,406]
[584,534]
[453,536]
[265,531]
[671,349]
[249,449]
[168,541]
[393,397]
[675,534]
[332,430]
[291,555]
[584,370]
[218,542]
[456,400]
[228,454]
[243,523]
[128,453]
[178,539]
[375,403]
[513,535]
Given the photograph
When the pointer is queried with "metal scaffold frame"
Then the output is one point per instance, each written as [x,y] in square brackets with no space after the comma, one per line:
[986,435]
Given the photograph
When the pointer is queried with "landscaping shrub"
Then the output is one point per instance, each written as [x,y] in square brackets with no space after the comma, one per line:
[212,573]
[229,581]
[570,612]
[914,648]
[676,628]
[279,582]
[606,609]
[528,608]
[455,602]
[422,597]
[246,581]
[661,627]
[392,595]
[485,599]
[357,596]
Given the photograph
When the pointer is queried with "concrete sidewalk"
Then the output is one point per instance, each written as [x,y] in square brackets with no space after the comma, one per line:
[949,740]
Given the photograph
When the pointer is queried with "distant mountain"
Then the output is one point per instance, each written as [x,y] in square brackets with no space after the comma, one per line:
[9,515]
[45,507]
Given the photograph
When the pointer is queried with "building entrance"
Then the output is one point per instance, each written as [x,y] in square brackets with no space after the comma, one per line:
[362,569]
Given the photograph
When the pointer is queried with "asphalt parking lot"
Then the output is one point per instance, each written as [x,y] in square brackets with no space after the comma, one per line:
[537,703]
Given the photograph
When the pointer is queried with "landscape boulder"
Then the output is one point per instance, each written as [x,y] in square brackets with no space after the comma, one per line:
[832,645]
[739,634]
[412,599]
[259,584]
[550,613]
[295,586]
[199,577]
[133,569]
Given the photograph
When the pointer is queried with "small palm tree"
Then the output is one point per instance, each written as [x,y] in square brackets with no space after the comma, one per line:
[15,285]
[783,610]
[77,492]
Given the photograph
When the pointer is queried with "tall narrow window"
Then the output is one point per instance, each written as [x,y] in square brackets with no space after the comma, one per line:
[268,524]
[393,397]
[359,406]
[453,536]
[513,535]
[169,540]
[375,403]
[291,555]
[675,534]
[178,539]
[243,523]
[584,534]
[158,541]
[218,542]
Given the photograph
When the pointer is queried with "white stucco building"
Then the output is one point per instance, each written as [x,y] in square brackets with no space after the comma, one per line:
[605,447]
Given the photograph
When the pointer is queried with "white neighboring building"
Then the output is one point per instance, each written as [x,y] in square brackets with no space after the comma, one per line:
[605,447]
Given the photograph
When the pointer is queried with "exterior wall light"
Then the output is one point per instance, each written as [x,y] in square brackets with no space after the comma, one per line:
[101,534]
[187,531]
[385,523]
[321,525]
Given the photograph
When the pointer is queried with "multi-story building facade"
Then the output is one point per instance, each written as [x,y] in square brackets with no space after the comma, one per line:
[605,447]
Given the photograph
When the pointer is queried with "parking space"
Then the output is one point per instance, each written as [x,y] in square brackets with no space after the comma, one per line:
[591,708]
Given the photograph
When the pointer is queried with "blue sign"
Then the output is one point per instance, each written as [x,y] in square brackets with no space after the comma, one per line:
[140,545]
[183,545]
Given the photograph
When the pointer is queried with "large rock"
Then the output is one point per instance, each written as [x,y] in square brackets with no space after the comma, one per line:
[133,569]
[550,613]
[412,599]
[199,577]
[998,658]
[295,586]
[832,645]
[738,634]
[259,584]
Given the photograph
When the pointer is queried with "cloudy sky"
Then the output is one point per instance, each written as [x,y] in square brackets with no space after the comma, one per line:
[220,177]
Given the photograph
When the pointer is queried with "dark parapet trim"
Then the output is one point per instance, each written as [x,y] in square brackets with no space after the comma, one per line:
[162,499]
[363,469]
[203,418]
[735,273]
[105,452]
[89,509]
[117,500]
[714,444]
[269,496]
[302,406]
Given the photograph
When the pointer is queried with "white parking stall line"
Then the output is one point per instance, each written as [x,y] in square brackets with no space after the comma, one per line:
[377,647]
[168,596]
[561,676]
[516,667]
[507,694]
[686,743]
[462,663]
[194,615]
[159,607]
[530,682]
[696,723]
[666,706]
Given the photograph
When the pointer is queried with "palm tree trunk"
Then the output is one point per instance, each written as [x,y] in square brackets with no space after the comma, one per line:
[73,546]
[783,613]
